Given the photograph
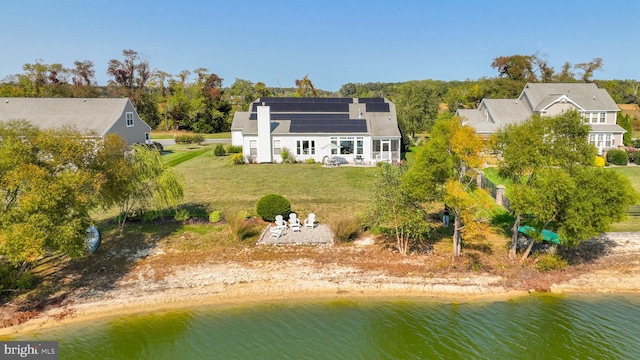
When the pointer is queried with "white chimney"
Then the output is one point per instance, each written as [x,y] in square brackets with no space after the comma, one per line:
[264,135]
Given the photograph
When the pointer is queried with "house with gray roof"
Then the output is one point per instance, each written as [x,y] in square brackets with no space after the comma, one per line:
[347,130]
[551,99]
[99,116]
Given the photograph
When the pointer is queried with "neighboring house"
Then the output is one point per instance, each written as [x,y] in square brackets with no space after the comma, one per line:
[101,116]
[345,129]
[551,99]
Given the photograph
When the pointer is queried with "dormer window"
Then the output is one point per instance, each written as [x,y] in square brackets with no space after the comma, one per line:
[129,119]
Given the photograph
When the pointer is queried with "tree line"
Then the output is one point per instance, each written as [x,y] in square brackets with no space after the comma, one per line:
[197,101]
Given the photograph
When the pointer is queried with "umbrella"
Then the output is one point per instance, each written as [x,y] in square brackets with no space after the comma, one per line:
[331,146]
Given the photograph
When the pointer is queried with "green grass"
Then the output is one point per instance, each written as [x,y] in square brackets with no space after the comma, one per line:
[214,182]
[175,156]
[170,135]
[632,172]
[632,223]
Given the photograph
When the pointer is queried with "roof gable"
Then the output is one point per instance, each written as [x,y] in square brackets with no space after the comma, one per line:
[92,114]
[586,96]
[551,100]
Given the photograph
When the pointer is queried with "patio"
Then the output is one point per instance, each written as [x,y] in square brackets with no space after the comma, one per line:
[320,235]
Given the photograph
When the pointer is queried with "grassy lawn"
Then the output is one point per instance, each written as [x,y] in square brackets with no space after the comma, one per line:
[633,173]
[216,183]
[156,135]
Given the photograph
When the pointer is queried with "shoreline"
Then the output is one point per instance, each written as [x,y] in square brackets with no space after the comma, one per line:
[150,286]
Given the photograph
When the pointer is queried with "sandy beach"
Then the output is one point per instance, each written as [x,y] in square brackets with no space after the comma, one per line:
[150,287]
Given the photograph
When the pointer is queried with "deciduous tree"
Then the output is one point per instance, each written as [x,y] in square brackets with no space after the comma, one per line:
[48,186]
[445,170]
[395,207]
[147,185]
[417,104]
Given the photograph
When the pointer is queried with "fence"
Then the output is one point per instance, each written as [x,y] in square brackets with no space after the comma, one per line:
[498,192]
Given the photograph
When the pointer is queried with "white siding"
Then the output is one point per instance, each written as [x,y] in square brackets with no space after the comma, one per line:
[236,138]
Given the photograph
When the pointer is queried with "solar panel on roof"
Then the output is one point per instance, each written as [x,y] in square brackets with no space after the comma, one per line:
[328,126]
[280,100]
[377,107]
[309,107]
[303,116]
[370,100]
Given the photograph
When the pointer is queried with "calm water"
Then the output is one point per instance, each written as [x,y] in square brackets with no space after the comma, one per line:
[533,327]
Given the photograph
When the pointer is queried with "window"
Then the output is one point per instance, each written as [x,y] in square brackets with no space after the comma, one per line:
[305,147]
[607,140]
[585,117]
[592,139]
[603,118]
[129,118]
[347,145]
[253,147]
[595,118]
[277,148]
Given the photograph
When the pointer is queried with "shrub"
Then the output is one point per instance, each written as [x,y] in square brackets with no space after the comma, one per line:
[238,225]
[231,149]
[155,145]
[182,215]
[550,262]
[311,161]
[632,153]
[617,157]
[215,216]
[151,215]
[287,156]
[635,143]
[345,228]
[189,139]
[271,205]
[25,281]
[599,162]
[9,278]
[219,150]
[237,159]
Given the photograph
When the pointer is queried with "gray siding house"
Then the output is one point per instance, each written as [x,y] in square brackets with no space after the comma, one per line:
[347,130]
[551,99]
[101,116]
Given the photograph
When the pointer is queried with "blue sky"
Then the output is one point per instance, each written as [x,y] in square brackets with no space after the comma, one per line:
[333,42]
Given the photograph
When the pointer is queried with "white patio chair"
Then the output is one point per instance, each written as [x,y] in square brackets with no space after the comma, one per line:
[310,221]
[280,221]
[279,228]
[294,222]
[275,232]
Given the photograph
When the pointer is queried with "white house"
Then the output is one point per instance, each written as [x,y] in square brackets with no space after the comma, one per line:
[345,129]
[101,116]
[550,99]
